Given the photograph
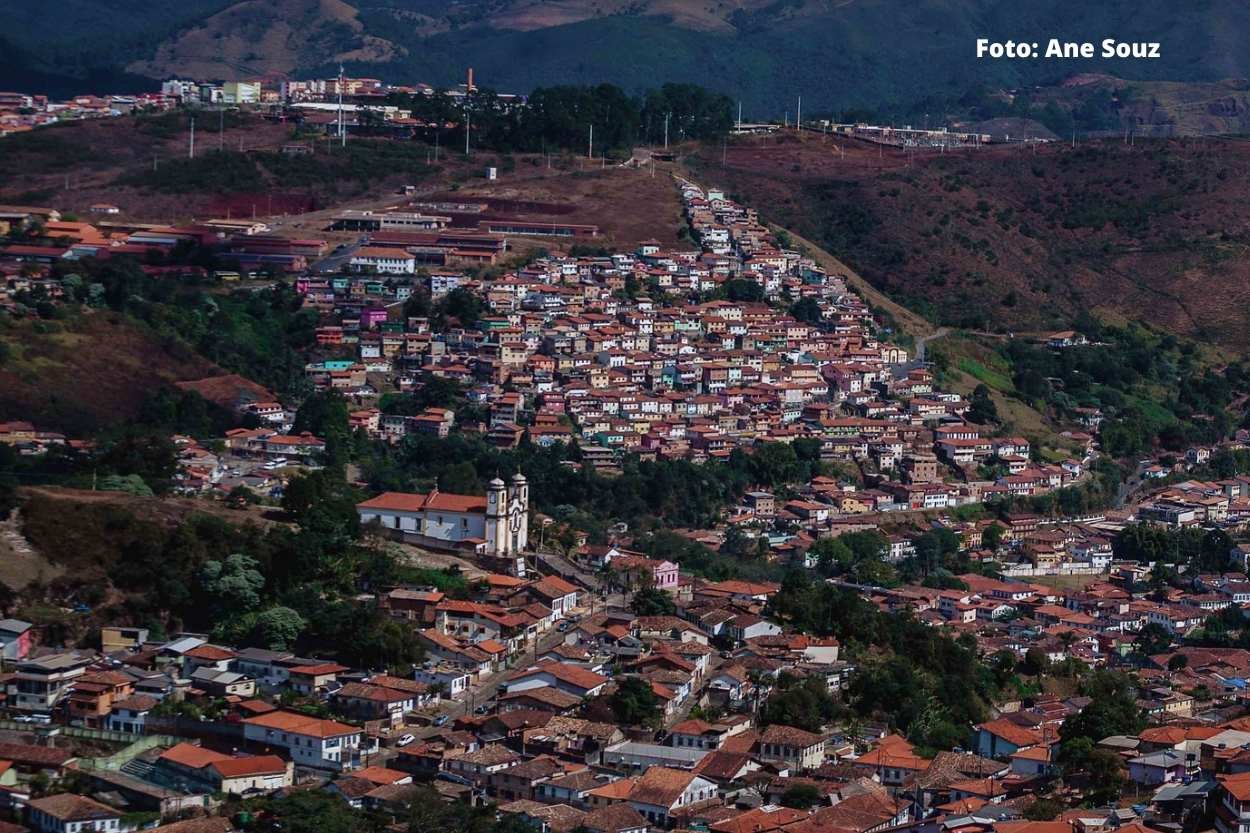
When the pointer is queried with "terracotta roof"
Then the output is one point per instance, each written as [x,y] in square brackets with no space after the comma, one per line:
[572,674]
[1238,785]
[24,754]
[661,786]
[210,652]
[70,807]
[301,724]
[416,502]
[249,765]
[319,670]
[215,824]
[613,819]
[1012,733]
[380,775]
[192,756]
[790,736]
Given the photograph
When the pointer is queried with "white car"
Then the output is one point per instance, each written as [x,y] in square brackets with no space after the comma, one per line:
[404,740]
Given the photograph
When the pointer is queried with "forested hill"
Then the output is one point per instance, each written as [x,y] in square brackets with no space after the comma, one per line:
[838,55]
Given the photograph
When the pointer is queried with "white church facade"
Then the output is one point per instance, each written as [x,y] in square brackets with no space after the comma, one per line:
[496,524]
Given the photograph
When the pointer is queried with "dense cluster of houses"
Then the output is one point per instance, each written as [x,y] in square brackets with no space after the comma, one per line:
[23,112]
[600,350]
[513,707]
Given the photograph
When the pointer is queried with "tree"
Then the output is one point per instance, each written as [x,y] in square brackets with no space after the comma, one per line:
[277,628]
[1042,809]
[325,415]
[992,536]
[150,456]
[652,601]
[981,408]
[807,310]
[1152,639]
[634,703]
[460,304]
[806,704]
[1112,711]
[1035,662]
[801,797]
[233,586]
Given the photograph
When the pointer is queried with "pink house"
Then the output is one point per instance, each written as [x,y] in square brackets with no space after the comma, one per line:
[15,639]
[638,571]
[372,317]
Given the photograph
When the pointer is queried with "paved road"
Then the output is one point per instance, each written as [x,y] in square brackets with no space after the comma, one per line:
[922,343]
[335,261]
[1130,484]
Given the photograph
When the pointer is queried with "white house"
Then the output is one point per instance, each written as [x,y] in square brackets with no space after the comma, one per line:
[661,791]
[70,813]
[310,741]
[384,261]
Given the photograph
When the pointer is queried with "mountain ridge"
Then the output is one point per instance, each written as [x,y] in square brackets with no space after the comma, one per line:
[890,56]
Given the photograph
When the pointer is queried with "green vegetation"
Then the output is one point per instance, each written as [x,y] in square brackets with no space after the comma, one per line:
[676,493]
[1151,387]
[805,703]
[634,703]
[559,117]
[925,683]
[652,601]
[276,586]
[1112,711]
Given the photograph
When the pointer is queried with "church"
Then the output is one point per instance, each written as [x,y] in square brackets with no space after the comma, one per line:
[496,524]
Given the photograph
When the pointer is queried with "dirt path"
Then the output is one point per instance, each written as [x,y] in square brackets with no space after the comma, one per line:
[19,563]
[911,323]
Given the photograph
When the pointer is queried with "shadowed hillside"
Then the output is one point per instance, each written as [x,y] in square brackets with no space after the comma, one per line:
[1018,240]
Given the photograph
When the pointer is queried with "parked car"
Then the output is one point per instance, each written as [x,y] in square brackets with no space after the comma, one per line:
[404,740]
[441,720]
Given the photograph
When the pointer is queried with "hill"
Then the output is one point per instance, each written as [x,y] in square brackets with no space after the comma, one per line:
[1015,240]
[837,54]
[47,361]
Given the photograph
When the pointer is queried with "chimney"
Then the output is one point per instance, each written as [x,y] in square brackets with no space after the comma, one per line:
[468,87]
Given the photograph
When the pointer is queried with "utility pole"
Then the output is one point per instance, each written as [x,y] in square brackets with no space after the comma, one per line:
[221,128]
[798,116]
[467,124]
[590,148]
[342,129]
[191,145]
[739,114]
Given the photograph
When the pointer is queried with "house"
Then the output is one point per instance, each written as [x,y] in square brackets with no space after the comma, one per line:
[130,715]
[796,748]
[1159,768]
[375,702]
[615,818]
[697,734]
[384,261]
[1232,803]
[661,793]
[216,772]
[315,679]
[310,741]
[1001,738]
[15,639]
[69,813]
[44,682]
[572,679]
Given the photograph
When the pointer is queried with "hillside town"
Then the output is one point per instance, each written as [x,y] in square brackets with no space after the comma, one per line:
[576,681]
